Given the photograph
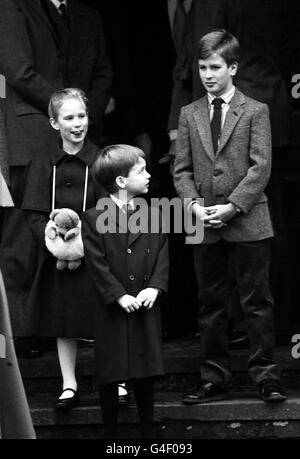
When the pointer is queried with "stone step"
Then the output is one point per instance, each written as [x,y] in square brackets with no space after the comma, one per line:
[181,358]
[242,415]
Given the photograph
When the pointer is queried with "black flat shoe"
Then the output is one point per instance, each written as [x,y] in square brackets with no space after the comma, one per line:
[67,403]
[271,391]
[206,391]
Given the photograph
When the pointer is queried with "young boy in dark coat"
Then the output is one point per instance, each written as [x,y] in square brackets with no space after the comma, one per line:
[129,265]
[223,155]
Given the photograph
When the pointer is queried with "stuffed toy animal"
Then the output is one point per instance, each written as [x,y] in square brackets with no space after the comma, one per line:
[63,238]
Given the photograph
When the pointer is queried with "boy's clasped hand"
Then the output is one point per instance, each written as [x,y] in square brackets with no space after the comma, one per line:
[145,298]
[215,217]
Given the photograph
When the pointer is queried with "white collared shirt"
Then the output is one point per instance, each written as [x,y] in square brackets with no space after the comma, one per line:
[57,4]
[121,203]
[227,97]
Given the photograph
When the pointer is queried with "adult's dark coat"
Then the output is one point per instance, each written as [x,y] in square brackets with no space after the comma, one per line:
[35,63]
[32,61]
[187,85]
[128,346]
[86,64]
[262,28]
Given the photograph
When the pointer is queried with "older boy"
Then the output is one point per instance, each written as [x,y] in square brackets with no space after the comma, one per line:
[224,156]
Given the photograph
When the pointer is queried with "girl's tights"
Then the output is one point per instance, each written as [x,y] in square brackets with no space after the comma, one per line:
[67,353]
[144,395]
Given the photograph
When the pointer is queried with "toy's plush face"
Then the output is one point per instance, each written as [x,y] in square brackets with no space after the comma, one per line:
[67,219]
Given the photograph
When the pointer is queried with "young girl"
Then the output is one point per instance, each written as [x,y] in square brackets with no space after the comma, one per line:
[61,300]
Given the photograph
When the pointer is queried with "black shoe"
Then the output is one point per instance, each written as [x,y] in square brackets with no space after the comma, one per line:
[206,391]
[271,391]
[67,403]
[123,399]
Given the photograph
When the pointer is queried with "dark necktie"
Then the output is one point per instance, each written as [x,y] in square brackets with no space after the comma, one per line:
[128,210]
[216,122]
[179,26]
[63,13]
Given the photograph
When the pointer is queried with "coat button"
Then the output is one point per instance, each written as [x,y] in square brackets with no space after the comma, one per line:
[129,251]
[146,277]
[217,172]
[68,184]
[131,277]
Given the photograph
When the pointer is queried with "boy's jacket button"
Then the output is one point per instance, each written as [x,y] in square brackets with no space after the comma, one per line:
[218,172]
[129,251]
[131,277]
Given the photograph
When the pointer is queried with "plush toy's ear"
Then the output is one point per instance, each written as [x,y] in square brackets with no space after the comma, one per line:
[73,216]
[72,233]
[54,213]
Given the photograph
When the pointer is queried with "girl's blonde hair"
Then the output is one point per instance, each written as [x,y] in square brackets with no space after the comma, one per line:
[60,97]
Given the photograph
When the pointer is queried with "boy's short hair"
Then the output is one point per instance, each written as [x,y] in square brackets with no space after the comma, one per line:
[60,97]
[221,42]
[114,161]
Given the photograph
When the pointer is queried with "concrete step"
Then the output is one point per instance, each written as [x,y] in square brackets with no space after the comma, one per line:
[242,415]
[181,358]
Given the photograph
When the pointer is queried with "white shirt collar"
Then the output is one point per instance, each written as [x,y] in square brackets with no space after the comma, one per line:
[57,3]
[227,96]
[121,203]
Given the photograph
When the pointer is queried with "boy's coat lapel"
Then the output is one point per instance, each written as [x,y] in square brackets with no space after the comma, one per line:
[232,117]
[117,217]
[132,237]
[201,116]
[123,227]
[144,225]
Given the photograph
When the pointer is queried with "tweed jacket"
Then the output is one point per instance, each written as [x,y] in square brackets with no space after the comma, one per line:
[239,171]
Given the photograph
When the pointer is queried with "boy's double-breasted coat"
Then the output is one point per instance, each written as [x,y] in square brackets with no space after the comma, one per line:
[128,346]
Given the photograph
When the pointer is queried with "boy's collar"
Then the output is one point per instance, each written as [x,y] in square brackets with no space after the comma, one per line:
[227,96]
[121,203]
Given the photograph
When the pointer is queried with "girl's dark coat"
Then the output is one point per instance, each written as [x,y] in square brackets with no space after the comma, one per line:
[60,302]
